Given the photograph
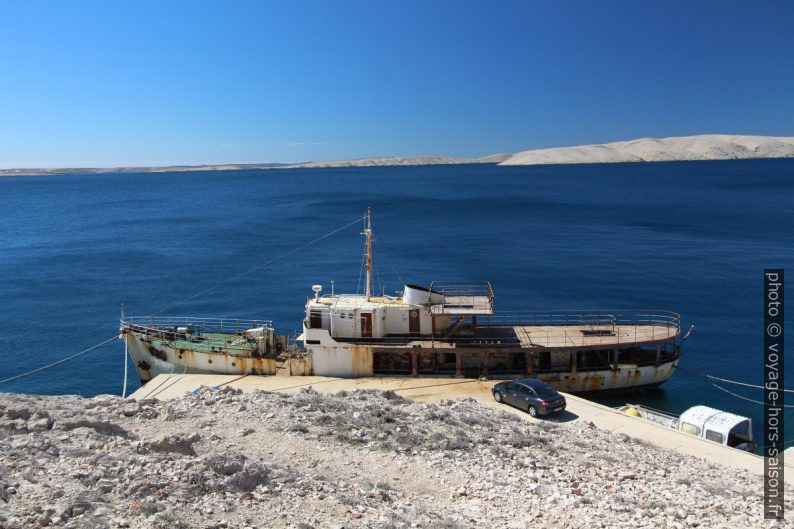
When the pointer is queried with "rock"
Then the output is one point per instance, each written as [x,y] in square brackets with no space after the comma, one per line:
[226,464]
[131,409]
[173,444]
[249,478]
[17,413]
[79,508]
[103,427]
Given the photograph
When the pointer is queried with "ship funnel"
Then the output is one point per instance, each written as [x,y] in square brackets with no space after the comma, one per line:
[317,289]
[416,295]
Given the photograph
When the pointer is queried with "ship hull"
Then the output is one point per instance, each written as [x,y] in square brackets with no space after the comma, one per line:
[357,362]
[151,360]
[570,371]
[623,379]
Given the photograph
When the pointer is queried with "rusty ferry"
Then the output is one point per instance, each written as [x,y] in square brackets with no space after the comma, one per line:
[432,330]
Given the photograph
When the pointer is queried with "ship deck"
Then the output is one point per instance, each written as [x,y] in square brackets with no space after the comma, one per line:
[538,337]
[211,342]
[587,336]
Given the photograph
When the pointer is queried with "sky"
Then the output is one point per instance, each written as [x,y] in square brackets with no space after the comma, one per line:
[167,82]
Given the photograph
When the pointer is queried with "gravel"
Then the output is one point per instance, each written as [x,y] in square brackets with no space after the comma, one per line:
[361,459]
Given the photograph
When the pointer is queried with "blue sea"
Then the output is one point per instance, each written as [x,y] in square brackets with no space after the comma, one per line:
[689,237]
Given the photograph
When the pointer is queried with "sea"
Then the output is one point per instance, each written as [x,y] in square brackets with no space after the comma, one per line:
[690,237]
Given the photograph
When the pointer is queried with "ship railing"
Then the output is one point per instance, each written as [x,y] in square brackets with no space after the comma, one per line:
[593,318]
[472,297]
[585,317]
[590,327]
[464,289]
[194,326]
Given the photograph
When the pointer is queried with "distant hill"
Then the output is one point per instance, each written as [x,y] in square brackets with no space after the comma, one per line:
[703,147]
[164,169]
[399,160]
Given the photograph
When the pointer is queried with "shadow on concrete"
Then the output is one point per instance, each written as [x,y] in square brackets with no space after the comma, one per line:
[563,416]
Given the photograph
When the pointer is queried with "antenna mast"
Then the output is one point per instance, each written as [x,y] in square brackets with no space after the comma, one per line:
[368,235]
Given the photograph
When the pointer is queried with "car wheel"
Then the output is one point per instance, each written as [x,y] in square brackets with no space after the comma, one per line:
[497,396]
[532,411]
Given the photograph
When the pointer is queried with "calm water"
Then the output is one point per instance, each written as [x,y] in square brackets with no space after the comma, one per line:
[689,237]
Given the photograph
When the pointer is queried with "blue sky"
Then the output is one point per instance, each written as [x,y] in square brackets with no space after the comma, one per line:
[127,83]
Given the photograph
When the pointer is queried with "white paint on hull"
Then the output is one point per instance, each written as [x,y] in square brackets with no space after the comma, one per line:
[626,377]
[193,362]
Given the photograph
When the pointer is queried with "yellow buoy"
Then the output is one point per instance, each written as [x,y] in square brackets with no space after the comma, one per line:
[634,412]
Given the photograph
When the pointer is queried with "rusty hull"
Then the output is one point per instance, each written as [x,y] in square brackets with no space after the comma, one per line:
[151,361]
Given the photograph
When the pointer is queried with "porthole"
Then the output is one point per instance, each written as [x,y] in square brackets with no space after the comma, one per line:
[342,316]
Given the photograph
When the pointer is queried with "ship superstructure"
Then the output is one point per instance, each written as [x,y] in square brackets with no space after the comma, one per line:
[452,329]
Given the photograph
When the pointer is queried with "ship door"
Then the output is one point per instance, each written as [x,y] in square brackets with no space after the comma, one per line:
[366,325]
[413,321]
[315,319]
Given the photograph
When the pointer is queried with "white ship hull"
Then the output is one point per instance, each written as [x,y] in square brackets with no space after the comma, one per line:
[201,345]
[149,366]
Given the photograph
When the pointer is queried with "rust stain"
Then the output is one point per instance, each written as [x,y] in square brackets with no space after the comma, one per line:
[361,360]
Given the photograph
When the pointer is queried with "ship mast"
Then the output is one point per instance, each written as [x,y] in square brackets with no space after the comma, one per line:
[368,235]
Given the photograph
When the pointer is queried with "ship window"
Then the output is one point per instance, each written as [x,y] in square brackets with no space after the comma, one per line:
[449,358]
[342,315]
[741,428]
[714,436]
[315,319]
[691,429]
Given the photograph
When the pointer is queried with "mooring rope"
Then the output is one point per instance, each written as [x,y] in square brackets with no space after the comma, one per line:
[61,361]
[259,267]
[711,378]
[126,363]
[745,384]
[749,399]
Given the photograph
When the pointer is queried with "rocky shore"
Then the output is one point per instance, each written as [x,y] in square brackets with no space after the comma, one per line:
[364,459]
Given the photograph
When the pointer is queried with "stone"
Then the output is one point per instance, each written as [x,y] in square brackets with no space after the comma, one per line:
[173,444]
[131,409]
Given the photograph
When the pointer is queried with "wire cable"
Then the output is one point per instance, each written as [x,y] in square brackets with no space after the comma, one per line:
[747,398]
[400,279]
[259,267]
[61,361]
[709,377]
[745,384]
